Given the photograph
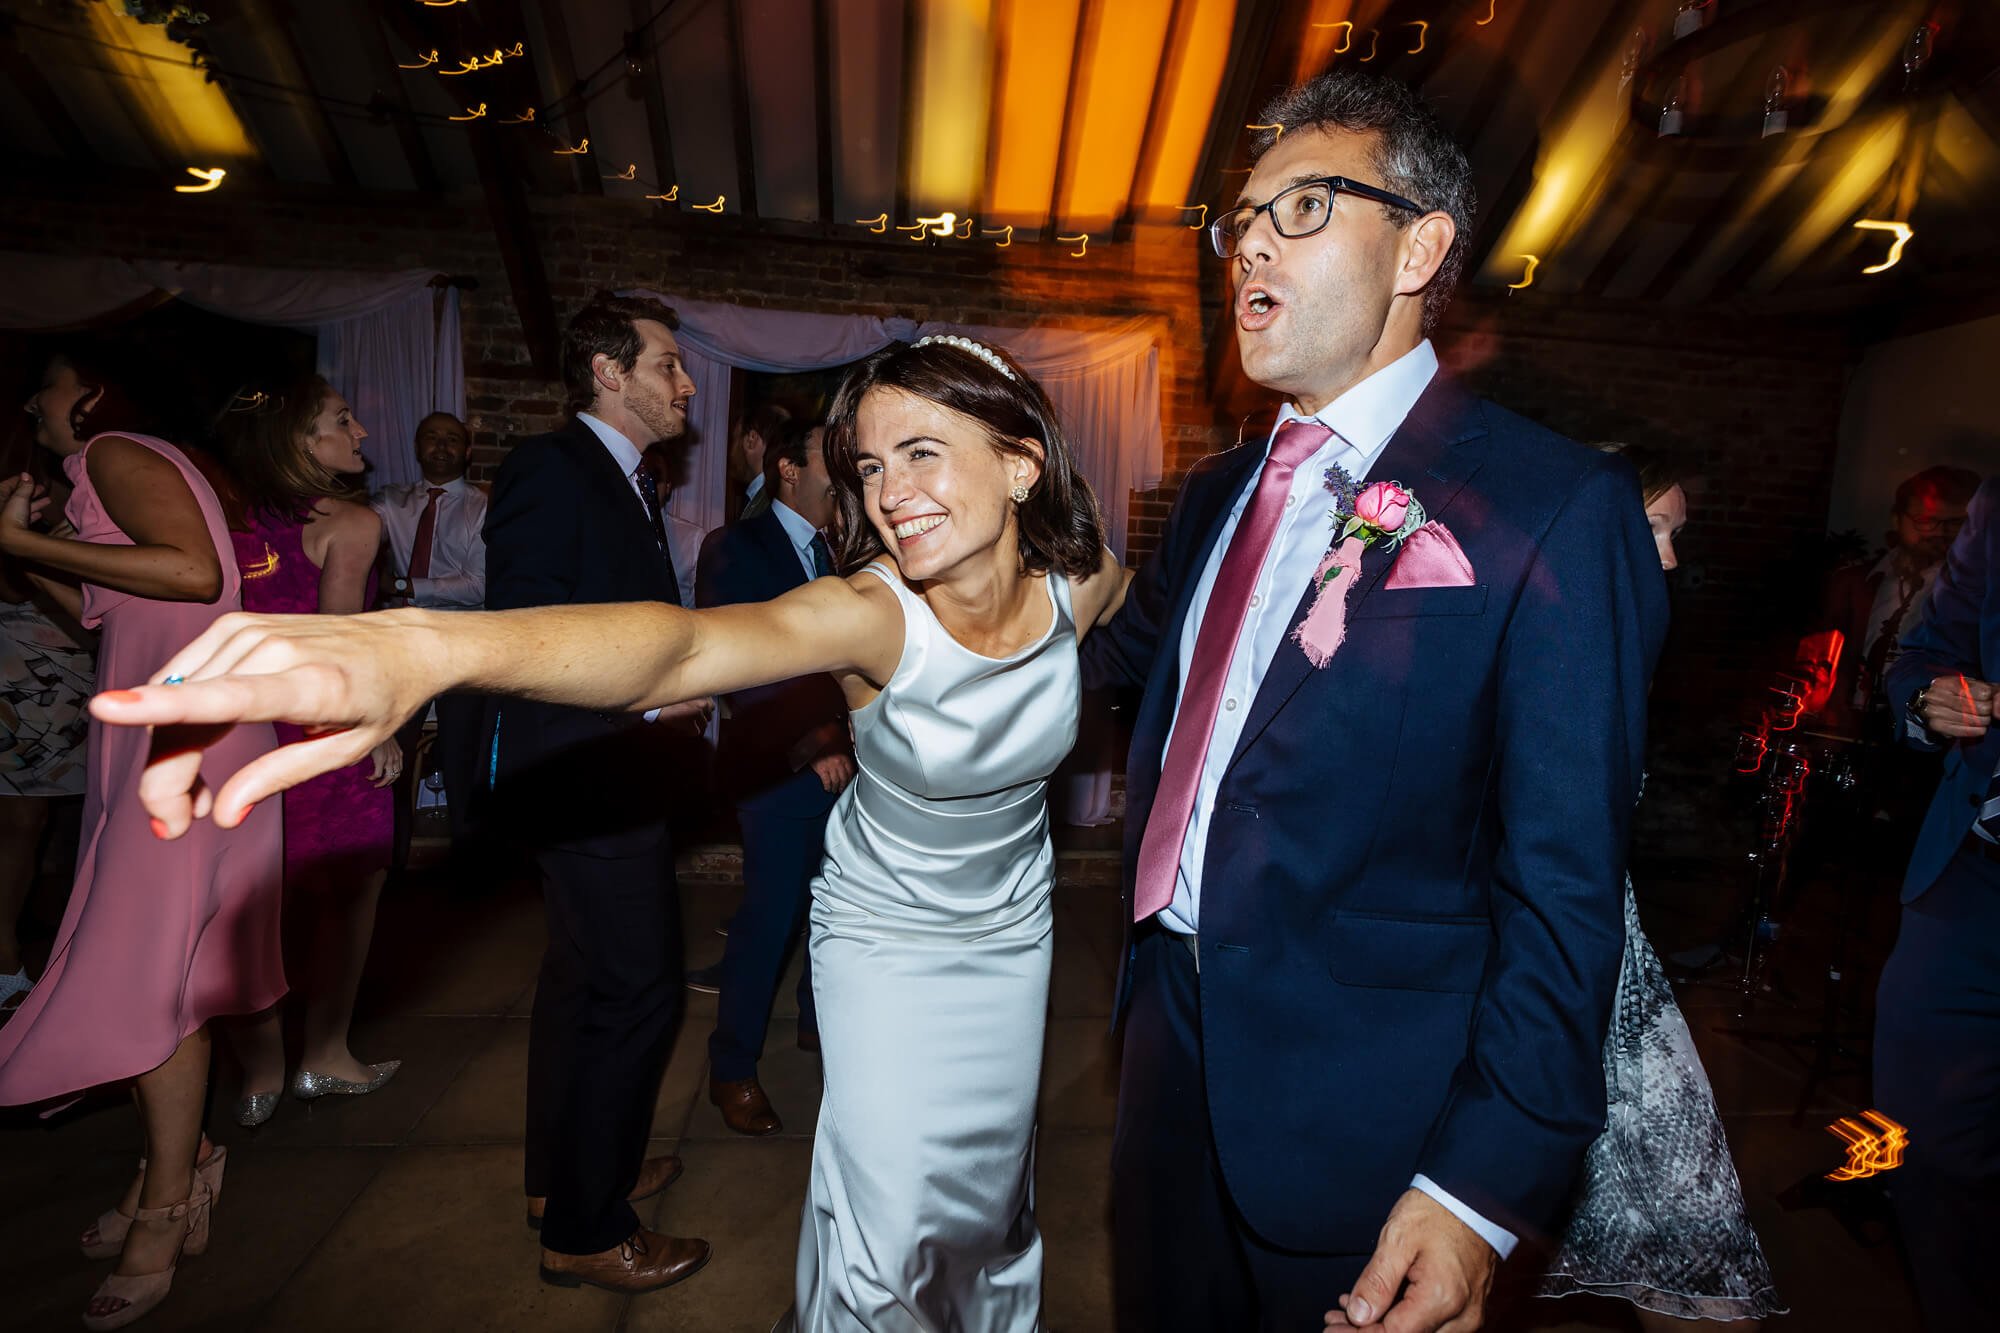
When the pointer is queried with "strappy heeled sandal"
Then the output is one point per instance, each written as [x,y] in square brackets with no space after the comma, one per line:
[141,1293]
[105,1238]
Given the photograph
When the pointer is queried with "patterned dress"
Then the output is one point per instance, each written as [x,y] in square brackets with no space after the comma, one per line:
[338,824]
[1659,1215]
[44,680]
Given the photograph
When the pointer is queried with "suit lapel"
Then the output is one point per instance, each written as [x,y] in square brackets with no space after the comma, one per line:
[1428,455]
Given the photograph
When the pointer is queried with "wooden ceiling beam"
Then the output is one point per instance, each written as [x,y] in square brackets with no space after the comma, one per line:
[658,132]
[572,94]
[823,103]
[1088,13]
[740,111]
[1156,115]
[278,37]
[63,131]
[409,134]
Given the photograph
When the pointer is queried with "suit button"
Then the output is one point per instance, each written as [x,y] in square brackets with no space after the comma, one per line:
[1230,704]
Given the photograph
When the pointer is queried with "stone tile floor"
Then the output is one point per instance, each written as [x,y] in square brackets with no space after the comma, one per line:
[402,1210]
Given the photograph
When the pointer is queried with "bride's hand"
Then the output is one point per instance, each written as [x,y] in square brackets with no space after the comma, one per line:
[350,681]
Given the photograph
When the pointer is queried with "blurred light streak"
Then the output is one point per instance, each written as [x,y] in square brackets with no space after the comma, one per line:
[578,151]
[669,197]
[211,178]
[1844,196]
[1903,235]
[941,225]
[1202,221]
[950,100]
[1325,37]
[470,114]
[525,118]
[1869,1153]
[1492,8]
[425,63]
[1528,278]
[1374,45]
[715,207]
[878,225]
[631,173]
[1272,126]
[1423,35]
[1079,251]
[1007,230]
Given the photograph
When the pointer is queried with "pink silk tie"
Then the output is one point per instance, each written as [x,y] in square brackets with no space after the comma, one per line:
[1214,646]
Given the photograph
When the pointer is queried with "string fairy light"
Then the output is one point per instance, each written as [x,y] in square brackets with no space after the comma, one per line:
[715,207]
[1279,128]
[425,63]
[1007,231]
[1902,232]
[878,224]
[1528,278]
[669,197]
[470,114]
[439,4]
[1869,1153]
[210,178]
[941,225]
[1346,38]
[1202,221]
[965,230]
[525,118]
[582,148]
[1423,35]
[1492,8]
[1077,253]
[631,173]
[1374,45]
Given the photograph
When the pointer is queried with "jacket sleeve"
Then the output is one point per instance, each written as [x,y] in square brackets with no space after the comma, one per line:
[1945,639]
[1121,653]
[1576,660]
[533,530]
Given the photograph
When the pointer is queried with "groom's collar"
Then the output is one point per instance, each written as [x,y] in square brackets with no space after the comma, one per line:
[1368,415]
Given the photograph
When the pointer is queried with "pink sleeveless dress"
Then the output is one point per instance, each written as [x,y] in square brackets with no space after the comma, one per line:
[159,936]
[339,823]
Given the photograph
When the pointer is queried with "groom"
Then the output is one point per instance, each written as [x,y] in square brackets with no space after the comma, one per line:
[1377,901]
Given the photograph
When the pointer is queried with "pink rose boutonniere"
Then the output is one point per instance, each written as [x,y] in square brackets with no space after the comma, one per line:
[1383,511]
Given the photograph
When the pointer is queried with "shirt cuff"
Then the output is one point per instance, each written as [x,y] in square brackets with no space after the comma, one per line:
[1501,1239]
[653,714]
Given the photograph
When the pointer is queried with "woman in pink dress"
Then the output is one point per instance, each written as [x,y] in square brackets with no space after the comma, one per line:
[307,544]
[159,937]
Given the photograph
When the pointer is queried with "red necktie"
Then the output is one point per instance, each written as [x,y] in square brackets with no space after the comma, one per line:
[1214,646]
[420,549]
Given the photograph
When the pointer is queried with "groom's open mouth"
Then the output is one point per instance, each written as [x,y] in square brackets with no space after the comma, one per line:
[1256,307]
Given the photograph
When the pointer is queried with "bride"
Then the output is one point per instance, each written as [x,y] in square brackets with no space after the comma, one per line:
[975,563]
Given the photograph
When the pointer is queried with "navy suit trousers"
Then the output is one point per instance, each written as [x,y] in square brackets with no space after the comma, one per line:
[781,854]
[1937,1071]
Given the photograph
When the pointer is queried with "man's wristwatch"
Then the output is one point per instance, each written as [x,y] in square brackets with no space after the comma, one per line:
[1915,708]
[400,586]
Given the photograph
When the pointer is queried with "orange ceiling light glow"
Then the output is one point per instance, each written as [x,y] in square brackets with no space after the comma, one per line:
[1329,32]
[1123,61]
[1036,40]
[190,116]
[1902,233]
[950,102]
[1193,81]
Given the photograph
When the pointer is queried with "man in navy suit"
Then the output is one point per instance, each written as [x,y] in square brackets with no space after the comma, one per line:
[783,756]
[1937,1023]
[575,517]
[1377,901]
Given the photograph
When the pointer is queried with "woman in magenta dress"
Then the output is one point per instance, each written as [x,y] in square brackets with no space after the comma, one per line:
[159,937]
[307,544]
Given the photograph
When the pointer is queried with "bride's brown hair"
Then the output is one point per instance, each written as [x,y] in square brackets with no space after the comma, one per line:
[1058,522]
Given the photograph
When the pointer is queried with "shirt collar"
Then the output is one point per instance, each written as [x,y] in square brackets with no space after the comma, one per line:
[1367,415]
[457,486]
[623,451]
[755,485]
[796,527]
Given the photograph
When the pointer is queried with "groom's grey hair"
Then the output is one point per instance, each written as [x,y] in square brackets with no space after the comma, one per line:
[1413,154]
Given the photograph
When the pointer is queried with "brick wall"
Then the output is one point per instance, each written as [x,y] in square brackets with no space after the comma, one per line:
[1753,404]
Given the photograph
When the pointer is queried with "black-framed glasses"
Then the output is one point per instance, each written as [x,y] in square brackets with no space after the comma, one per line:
[1298,211]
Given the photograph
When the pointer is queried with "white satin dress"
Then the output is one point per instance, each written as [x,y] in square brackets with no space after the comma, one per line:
[930,953]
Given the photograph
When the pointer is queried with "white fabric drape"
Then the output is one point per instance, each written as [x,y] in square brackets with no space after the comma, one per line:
[1104,382]
[382,342]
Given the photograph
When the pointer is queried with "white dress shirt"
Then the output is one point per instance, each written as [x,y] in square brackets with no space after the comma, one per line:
[1362,421]
[800,531]
[457,579]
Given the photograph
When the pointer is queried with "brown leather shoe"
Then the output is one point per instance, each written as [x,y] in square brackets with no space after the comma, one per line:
[655,1174]
[645,1261]
[744,1107]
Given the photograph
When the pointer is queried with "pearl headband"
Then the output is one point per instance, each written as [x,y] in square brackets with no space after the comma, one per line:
[980,350]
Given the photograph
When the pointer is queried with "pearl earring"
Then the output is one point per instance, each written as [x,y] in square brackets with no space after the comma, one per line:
[1019,495]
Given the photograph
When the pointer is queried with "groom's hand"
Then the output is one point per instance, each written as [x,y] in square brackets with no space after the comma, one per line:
[1447,1266]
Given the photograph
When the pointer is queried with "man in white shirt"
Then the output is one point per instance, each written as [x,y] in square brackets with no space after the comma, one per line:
[437,555]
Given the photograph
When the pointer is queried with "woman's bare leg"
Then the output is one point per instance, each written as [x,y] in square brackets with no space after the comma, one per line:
[170,1099]
[345,926]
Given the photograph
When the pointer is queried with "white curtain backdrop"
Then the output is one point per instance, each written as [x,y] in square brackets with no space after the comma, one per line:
[1104,382]
[383,342]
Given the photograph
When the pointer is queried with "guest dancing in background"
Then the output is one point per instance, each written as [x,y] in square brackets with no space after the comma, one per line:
[306,541]
[977,563]
[157,939]
[47,666]
[1659,1217]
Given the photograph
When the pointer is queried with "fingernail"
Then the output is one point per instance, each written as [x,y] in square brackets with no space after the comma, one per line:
[1359,1311]
[160,828]
[121,696]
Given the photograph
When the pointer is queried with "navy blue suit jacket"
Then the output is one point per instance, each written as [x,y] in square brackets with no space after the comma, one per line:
[1411,912]
[772,733]
[565,527]
[1959,632]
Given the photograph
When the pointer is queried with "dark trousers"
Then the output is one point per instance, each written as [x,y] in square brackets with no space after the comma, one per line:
[1937,1072]
[607,1003]
[460,746]
[1184,1258]
[781,854]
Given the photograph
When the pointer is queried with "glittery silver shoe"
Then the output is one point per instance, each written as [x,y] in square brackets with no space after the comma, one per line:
[307,1085]
[255,1109]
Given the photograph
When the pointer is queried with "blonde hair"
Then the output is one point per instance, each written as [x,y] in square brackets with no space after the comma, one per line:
[264,439]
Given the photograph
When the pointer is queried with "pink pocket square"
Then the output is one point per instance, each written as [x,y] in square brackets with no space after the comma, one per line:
[1430,558]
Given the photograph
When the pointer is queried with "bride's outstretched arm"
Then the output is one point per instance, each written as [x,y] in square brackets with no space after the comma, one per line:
[355,679]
